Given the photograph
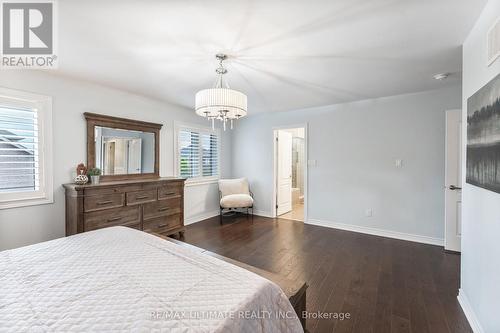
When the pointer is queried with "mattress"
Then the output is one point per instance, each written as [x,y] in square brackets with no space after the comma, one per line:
[120,279]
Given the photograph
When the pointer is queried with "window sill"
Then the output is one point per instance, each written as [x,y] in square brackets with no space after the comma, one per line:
[25,203]
[197,182]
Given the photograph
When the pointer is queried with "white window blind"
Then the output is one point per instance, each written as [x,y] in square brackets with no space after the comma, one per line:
[25,149]
[198,153]
[19,164]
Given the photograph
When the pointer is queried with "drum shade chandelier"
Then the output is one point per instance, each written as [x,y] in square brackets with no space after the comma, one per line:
[221,102]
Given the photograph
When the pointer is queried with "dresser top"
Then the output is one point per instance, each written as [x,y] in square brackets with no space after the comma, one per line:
[122,182]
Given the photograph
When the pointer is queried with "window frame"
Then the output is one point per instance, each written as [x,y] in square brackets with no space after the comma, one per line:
[43,106]
[201,130]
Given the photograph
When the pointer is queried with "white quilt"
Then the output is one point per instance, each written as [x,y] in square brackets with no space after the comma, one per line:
[120,279]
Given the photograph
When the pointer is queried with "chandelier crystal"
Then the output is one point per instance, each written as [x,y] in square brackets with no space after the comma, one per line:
[221,102]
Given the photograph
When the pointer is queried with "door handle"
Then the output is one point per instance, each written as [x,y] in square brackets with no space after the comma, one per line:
[453,187]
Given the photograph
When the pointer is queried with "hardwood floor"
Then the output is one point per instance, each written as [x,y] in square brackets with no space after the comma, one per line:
[386,285]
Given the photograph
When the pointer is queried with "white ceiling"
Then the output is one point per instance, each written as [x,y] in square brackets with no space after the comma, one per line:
[285,54]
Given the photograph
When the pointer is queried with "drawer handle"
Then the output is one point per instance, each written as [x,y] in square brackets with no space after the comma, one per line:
[162,225]
[104,202]
[163,209]
[142,197]
[114,219]
[170,193]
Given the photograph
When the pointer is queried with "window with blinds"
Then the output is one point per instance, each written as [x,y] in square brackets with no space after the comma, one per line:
[198,153]
[25,149]
[19,163]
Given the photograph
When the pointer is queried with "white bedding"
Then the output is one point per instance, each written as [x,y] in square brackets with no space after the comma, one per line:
[120,279]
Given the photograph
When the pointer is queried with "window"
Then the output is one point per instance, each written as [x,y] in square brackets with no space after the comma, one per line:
[25,149]
[197,154]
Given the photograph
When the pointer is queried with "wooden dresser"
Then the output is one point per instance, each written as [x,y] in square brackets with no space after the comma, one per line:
[152,205]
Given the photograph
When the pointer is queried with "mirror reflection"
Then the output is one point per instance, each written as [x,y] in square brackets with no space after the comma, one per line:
[121,152]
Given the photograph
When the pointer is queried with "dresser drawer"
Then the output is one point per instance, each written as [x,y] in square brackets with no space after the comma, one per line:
[163,224]
[126,216]
[138,197]
[103,201]
[162,208]
[170,191]
[135,226]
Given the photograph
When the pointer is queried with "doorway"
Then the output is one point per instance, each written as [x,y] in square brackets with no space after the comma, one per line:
[290,173]
[453,179]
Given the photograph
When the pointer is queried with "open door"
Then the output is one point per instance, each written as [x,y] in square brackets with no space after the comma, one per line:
[284,173]
[134,156]
[453,178]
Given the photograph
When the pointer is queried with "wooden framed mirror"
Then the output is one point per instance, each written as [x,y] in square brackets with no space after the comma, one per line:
[122,148]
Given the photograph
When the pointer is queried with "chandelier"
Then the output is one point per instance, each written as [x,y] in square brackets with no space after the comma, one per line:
[221,102]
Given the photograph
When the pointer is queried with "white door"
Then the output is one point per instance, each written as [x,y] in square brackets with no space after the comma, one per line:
[109,157]
[284,165]
[134,156]
[453,179]
[120,156]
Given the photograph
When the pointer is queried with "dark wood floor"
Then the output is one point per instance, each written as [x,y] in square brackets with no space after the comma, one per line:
[386,285]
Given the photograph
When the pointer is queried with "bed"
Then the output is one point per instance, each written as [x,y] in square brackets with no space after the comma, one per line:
[121,279]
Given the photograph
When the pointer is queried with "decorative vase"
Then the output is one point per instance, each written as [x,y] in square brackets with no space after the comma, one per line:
[95,179]
[81,171]
[81,179]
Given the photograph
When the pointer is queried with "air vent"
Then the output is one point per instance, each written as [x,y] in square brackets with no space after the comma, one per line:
[494,42]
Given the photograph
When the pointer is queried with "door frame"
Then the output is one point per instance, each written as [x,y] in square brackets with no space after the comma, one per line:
[275,166]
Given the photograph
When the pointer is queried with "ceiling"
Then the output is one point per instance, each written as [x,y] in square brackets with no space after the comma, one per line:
[284,54]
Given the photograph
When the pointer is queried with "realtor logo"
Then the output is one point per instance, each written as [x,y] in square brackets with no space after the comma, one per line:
[28,34]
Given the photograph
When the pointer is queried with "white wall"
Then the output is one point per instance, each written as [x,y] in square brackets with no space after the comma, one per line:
[356,146]
[480,276]
[27,225]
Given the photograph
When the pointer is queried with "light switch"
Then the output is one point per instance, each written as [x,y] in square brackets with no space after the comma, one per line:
[399,163]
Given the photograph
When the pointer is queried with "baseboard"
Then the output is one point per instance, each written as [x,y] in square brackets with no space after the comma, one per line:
[378,232]
[204,216]
[469,312]
[201,217]
[262,213]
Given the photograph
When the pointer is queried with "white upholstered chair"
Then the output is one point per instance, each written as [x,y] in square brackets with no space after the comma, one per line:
[235,195]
